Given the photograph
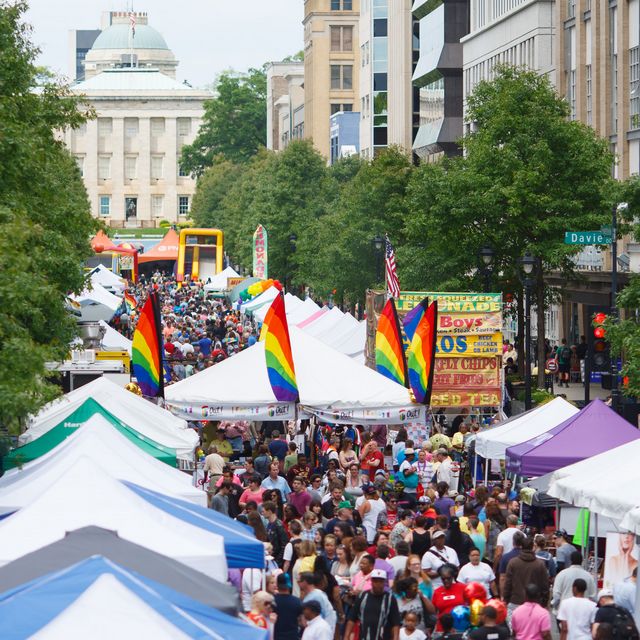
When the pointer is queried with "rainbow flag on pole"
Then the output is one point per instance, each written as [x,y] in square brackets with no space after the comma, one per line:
[422,351]
[277,349]
[146,353]
[130,301]
[390,360]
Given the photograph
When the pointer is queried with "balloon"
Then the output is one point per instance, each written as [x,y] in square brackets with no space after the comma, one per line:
[99,248]
[475,591]
[134,388]
[461,621]
[476,609]
[500,607]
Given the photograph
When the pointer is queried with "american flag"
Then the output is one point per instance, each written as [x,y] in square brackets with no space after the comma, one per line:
[132,23]
[393,284]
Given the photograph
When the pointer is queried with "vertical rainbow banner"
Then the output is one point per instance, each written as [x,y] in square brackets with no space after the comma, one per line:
[278,354]
[390,360]
[422,352]
[146,351]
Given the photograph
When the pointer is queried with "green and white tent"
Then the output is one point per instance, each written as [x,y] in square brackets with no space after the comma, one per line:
[90,407]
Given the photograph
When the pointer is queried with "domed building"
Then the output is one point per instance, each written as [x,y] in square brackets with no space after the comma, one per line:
[129,154]
[121,46]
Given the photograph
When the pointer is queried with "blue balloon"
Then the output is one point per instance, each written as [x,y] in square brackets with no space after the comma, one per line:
[461,617]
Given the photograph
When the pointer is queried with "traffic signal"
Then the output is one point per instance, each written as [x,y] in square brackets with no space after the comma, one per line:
[599,347]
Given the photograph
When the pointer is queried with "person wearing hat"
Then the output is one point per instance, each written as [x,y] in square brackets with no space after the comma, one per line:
[409,473]
[376,611]
[437,555]
[315,628]
[564,549]
[619,618]
[447,471]
[426,508]
[369,506]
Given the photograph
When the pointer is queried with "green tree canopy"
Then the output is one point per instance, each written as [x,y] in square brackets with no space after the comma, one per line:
[45,221]
[234,123]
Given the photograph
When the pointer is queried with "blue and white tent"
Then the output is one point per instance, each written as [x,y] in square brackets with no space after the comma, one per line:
[241,547]
[101,600]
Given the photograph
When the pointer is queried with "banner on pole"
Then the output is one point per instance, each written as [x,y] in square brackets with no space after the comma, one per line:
[260,253]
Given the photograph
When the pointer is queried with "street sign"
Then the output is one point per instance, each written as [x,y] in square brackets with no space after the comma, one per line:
[586,237]
[551,365]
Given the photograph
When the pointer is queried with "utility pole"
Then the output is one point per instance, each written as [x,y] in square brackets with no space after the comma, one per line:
[615,392]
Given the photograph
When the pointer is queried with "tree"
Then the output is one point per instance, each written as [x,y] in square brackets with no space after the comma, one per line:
[234,123]
[45,222]
[528,175]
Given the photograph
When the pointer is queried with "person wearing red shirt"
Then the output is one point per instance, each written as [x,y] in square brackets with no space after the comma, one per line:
[373,460]
[447,597]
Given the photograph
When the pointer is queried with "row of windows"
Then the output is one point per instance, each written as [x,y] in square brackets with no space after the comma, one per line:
[341,38]
[484,12]
[131,205]
[337,107]
[342,76]
[131,127]
[130,167]
[341,5]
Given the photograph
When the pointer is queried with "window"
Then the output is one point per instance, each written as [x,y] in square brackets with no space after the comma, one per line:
[157,205]
[131,127]
[337,107]
[379,81]
[105,205]
[182,173]
[157,126]
[130,167]
[183,126]
[634,87]
[571,8]
[341,5]
[105,126]
[589,88]
[341,38]
[157,162]
[341,76]
[183,205]
[104,167]
[80,163]
[380,28]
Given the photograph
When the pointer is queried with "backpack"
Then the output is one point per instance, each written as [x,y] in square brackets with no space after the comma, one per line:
[565,354]
[624,627]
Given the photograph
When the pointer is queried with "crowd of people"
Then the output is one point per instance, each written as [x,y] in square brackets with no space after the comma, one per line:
[370,534]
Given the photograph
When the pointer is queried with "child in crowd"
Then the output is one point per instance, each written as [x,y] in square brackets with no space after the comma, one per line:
[448,632]
[408,631]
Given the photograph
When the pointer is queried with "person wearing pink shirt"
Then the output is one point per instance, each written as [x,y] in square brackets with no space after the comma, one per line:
[530,621]
[252,493]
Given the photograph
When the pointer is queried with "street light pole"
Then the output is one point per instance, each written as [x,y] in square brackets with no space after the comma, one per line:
[615,392]
[378,243]
[486,255]
[528,263]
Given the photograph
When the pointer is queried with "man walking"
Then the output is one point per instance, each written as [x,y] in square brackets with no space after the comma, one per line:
[275,531]
[220,502]
[576,614]
[530,621]
[563,585]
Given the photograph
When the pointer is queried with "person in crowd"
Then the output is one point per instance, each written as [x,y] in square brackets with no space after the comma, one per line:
[460,542]
[444,505]
[409,629]
[361,581]
[332,500]
[316,627]
[290,554]
[489,629]
[446,471]
[541,551]
[504,541]
[613,618]
[301,469]
[275,481]
[220,501]
[411,600]
[438,555]
[402,528]
[253,493]
[564,582]
[576,614]
[564,549]
[261,613]
[517,541]
[624,593]
[213,467]
[254,520]
[299,497]
[419,537]
[341,567]
[309,591]
[414,569]
[408,471]
[399,561]
[477,571]
[291,458]
[262,461]
[369,506]
[530,621]
[276,534]
[347,455]
[449,594]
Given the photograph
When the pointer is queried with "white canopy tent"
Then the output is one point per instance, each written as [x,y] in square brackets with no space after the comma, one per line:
[85,495]
[113,340]
[493,443]
[303,312]
[100,442]
[324,323]
[291,303]
[107,279]
[352,343]
[331,385]
[330,335]
[96,303]
[219,281]
[265,298]
[150,420]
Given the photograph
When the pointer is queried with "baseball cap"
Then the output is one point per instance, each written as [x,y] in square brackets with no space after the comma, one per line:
[380,472]
[369,489]
[605,593]
[424,500]
[409,451]
[378,574]
[345,504]
[460,498]
[443,451]
[437,534]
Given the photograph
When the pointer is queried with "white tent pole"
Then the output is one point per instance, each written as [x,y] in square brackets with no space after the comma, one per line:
[475,469]
[595,548]
[487,462]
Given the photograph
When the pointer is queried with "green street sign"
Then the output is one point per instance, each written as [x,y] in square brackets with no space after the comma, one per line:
[587,237]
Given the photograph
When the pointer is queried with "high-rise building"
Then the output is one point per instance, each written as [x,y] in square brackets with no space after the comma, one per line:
[129,155]
[331,65]
[516,32]
[80,43]
[438,75]
[386,65]
[285,103]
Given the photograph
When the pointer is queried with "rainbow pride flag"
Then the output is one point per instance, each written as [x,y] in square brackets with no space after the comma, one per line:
[130,301]
[390,360]
[275,334]
[422,351]
[146,352]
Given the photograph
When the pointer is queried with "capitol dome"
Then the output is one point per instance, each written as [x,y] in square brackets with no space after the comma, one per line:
[114,47]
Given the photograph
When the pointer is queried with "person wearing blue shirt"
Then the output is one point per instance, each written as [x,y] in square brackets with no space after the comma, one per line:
[205,346]
[275,481]
[278,446]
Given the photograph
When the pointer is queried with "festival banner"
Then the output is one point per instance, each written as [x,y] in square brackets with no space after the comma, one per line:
[451,346]
[469,323]
[373,415]
[452,302]
[234,282]
[260,253]
[455,398]
[476,374]
[275,410]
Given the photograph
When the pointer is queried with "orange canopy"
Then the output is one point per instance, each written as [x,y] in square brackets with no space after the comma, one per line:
[167,249]
[101,239]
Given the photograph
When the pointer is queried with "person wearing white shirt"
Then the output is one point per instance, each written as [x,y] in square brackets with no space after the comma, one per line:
[476,571]
[369,506]
[576,614]
[317,628]
[563,584]
[436,556]
[408,630]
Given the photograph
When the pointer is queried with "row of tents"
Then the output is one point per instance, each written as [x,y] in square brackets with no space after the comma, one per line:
[101,534]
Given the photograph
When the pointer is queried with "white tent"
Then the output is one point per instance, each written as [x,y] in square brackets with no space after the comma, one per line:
[331,385]
[303,311]
[113,340]
[606,483]
[493,443]
[96,303]
[324,323]
[331,334]
[352,343]
[291,303]
[265,298]
[150,420]
[109,280]
[85,495]
[100,442]
[219,281]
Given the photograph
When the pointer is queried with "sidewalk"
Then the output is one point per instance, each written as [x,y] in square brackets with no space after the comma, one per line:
[576,391]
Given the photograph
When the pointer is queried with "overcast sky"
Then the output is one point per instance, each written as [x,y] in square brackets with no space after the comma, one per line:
[207,36]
